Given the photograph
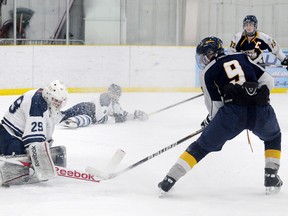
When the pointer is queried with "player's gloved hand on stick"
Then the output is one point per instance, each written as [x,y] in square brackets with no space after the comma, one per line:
[206,121]
[140,115]
[119,118]
[285,62]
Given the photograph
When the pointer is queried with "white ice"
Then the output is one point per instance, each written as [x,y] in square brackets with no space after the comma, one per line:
[225,183]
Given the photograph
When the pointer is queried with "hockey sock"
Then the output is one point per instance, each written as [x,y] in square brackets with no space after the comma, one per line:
[82,120]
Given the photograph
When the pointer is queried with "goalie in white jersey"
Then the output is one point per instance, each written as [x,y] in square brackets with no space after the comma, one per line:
[104,110]
[27,128]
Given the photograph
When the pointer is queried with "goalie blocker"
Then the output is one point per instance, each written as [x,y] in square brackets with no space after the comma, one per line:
[41,160]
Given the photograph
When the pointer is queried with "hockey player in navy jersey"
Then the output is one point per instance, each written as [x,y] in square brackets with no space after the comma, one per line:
[254,42]
[104,110]
[236,93]
[27,128]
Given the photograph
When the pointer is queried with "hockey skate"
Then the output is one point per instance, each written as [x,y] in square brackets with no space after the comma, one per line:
[166,185]
[272,181]
[69,123]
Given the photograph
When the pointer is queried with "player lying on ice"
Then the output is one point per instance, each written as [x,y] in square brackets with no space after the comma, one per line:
[26,130]
[236,92]
[104,110]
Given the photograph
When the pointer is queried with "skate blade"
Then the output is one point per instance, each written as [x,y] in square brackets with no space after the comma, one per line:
[272,190]
[161,193]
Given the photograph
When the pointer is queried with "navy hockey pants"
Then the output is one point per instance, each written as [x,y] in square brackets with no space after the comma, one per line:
[84,108]
[10,145]
[231,120]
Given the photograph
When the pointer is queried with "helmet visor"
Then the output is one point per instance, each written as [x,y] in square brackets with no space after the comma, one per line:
[249,28]
[203,60]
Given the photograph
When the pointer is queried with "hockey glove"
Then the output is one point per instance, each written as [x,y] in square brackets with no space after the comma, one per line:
[285,62]
[206,121]
[119,118]
[140,115]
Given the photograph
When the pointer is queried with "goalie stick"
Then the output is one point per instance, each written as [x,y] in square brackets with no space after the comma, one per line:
[105,176]
[115,160]
[113,163]
[165,108]
[23,160]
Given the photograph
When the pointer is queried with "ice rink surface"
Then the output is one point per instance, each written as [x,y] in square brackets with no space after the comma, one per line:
[225,183]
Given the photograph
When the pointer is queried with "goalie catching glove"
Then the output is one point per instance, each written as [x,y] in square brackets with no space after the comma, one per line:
[140,115]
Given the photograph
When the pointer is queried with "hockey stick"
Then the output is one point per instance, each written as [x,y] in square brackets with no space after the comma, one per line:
[23,160]
[160,110]
[273,65]
[105,176]
[61,171]
[115,160]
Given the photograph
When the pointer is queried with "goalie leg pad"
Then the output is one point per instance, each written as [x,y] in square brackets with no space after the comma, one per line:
[13,174]
[41,160]
[1,175]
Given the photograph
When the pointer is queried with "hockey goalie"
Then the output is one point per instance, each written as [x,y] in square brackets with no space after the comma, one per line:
[26,152]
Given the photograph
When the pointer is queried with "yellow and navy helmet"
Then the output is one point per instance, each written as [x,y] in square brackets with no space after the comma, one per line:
[208,49]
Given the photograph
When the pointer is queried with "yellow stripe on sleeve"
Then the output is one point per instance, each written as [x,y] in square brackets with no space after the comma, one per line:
[189,159]
[271,153]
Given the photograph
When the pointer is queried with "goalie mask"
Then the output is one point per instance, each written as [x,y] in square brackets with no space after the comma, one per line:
[250,23]
[207,50]
[55,94]
[114,92]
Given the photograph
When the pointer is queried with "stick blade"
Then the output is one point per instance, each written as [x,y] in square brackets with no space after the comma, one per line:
[115,160]
[98,175]
[111,166]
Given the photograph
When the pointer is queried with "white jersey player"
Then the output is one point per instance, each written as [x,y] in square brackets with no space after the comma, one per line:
[253,42]
[27,128]
[104,110]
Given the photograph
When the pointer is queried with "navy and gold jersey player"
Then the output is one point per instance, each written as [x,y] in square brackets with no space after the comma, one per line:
[253,42]
[236,92]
